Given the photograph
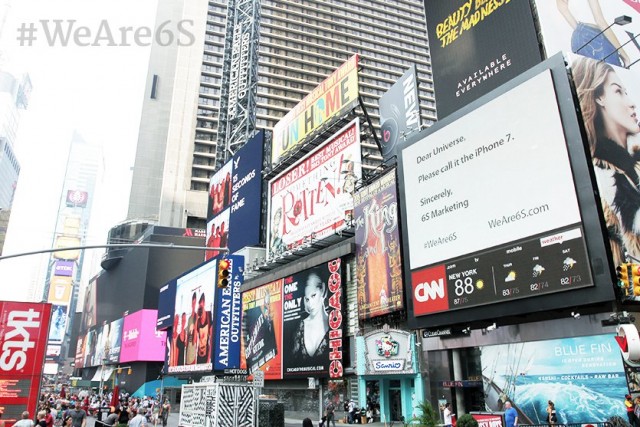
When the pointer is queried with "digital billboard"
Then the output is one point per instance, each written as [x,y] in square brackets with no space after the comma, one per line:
[476,47]
[577,26]
[481,224]
[23,339]
[63,268]
[77,198]
[312,322]
[58,326]
[378,258]
[314,198]
[219,191]
[218,234]
[113,341]
[399,112]
[262,330]
[166,305]
[613,135]
[568,371]
[80,347]
[140,340]
[63,242]
[90,344]
[191,351]
[60,289]
[236,224]
[228,310]
[331,98]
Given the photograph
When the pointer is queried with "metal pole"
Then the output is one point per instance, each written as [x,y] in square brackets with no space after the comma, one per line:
[116,245]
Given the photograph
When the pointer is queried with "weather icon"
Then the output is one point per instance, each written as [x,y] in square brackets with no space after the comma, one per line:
[568,263]
[537,270]
[480,284]
[511,276]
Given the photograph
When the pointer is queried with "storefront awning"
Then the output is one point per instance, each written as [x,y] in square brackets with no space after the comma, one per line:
[104,372]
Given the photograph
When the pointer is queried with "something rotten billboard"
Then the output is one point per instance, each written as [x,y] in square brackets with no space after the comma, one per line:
[228,309]
[314,198]
[312,322]
[482,224]
[331,98]
[191,350]
[235,198]
[399,112]
[476,47]
[23,340]
[262,330]
[378,248]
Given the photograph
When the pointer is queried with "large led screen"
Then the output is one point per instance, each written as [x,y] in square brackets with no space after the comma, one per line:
[312,322]
[491,206]
[262,330]
[235,194]
[140,340]
[378,258]
[191,351]
[476,46]
[583,376]
[314,198]
[166,305]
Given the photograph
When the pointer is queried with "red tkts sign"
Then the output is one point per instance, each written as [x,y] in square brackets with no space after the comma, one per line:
[23,340]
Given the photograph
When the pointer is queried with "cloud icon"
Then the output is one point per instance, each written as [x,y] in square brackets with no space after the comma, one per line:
[568,263]
[510,277]
[537,270]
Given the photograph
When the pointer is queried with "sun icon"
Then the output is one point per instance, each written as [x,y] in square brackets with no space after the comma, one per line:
[480,284]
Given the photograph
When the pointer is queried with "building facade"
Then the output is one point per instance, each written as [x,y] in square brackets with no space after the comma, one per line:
[299,44]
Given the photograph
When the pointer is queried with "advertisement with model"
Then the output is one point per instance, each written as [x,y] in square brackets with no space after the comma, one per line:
[191,350]
[23,342]
[312,322]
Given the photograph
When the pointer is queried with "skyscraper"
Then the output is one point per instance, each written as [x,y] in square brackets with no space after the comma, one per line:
[14,98]
[85,164]
[184,133]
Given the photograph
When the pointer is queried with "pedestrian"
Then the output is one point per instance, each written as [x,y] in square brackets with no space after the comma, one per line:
[41,417]
[78,415]
[628,403]
[331,414]
[165,409]
[139,420]
[510,415]
[352,412]
[552,418]
[25,421]
[112,418]
[307,422]
[448,422]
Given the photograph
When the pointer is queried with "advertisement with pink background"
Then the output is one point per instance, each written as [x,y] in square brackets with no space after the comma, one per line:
[140,340]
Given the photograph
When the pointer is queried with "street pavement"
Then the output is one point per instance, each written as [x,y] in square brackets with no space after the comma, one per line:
[289,422]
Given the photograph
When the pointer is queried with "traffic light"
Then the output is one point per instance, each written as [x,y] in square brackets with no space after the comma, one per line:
[634,278]
[624,276]
[224,265]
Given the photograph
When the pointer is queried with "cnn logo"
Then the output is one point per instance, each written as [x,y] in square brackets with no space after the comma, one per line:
[430,293]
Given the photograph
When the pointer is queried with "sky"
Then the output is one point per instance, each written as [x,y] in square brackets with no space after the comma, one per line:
[94,90]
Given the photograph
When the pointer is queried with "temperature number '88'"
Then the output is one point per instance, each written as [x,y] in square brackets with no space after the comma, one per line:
[464,286]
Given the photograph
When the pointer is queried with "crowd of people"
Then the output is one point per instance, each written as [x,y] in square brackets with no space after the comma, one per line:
[72,411]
